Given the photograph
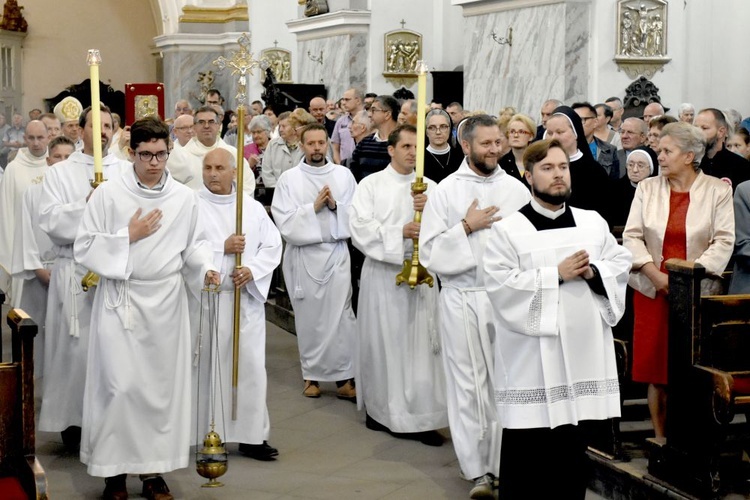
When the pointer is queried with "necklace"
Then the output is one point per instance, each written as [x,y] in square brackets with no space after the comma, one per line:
[447,161]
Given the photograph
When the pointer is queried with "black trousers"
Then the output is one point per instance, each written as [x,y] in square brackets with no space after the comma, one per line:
[545,463]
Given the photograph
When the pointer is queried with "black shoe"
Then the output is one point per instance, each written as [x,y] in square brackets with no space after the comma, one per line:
[155,488]
[430,438]
[263,452]
[71,438]
[374,425]
[115,488]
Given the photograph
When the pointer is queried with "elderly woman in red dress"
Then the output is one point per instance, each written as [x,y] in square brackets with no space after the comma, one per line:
[682,213]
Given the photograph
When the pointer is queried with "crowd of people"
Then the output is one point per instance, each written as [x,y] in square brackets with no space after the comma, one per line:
[512,348]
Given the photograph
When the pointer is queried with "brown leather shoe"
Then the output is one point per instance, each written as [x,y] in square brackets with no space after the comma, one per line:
[115,488]
[156,489]
[347,391]
[312,390]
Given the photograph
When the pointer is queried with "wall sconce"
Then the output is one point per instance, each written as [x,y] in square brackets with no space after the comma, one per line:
[318,59]
[507,40]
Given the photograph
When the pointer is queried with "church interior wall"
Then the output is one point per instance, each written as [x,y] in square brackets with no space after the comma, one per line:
[705,40]
[60,34]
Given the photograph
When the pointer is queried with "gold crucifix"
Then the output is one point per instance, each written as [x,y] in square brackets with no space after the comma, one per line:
[241,62]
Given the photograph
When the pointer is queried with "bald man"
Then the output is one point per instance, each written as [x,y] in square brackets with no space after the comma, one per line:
[259,243]
[318,108]
[27,168]
[183,130]
[652,110]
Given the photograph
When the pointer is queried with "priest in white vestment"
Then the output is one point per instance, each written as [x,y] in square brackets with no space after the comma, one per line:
[186,163]
[311,209]
[33,254]
[452,239]
[556,278]
[27,168]
[400,374]
[65,191]
[138,232]
[259,243]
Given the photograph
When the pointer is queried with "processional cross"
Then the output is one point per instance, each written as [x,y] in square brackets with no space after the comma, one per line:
[241,63]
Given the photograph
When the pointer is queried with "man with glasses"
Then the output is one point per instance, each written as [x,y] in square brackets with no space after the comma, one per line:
[371,154]
[186,163]
[341,138]
[65,191]
[137,232]
[183,130]
[604,153]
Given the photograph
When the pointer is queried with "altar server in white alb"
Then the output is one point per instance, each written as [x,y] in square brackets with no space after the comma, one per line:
[138,231]
[65,192]
[26,169]
[186,163]
[454,233]
[260,246]
[401,377]
[556,278]
[311,209]
[33,253]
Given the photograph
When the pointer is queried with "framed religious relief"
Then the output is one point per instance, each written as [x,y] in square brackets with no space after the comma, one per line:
[280,62]
[403,48]
[142,100]
[641,47]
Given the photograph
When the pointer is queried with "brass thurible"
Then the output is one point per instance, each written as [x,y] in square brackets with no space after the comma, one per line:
[413,273]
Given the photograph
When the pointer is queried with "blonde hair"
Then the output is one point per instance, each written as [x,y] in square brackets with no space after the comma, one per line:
[527,122]
[299,118]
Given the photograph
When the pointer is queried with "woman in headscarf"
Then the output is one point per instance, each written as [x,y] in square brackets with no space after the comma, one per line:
[589,183]
[441,158]
[640,164]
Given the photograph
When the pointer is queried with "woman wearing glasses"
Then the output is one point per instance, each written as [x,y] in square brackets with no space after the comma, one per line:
[520,133]
[441,158]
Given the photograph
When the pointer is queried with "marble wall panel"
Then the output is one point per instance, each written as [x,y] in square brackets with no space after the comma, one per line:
[181,68]
[344,63]
[549,58]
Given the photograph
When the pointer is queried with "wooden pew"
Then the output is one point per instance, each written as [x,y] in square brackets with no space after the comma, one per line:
[709,382]
[21,475]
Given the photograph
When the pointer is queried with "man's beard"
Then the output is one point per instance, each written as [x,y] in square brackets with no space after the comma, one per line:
[712,143]
[316,160]
[552,199]
[480,165]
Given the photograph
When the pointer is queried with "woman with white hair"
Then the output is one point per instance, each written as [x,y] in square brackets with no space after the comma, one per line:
[682,213]
[686,113]
[260,129]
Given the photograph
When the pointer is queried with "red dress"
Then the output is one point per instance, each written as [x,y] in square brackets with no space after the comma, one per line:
[650,329]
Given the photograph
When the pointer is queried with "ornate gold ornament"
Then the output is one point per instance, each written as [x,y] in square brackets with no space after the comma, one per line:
[280,62]
[402,51]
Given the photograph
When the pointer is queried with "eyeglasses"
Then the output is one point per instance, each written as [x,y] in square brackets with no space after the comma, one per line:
[147,156]
[518,132]
[375,110]
[435,128]
[210,123]
[633,165]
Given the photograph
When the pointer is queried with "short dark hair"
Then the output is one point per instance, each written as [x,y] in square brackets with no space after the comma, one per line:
[608,113]
[538,151]
[148,129]
[613,98]
[390,104]
[82,119]
[470,125]
[581,105]
[272,107]
[214,91]
[719,116]
[60,140]
[395,137]
[309,128]
[204,109]
[371,94]
[660,121]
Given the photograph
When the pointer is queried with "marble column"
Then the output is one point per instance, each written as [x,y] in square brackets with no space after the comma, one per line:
[204,35]
[549,57]
[340,39]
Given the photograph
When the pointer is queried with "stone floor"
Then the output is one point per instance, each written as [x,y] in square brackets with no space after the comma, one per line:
[325,452]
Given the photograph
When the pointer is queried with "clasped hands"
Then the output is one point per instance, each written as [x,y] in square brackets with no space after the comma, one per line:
[324,198]
[575,265]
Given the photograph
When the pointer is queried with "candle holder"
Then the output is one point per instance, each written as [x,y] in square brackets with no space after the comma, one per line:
[413,273]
